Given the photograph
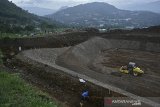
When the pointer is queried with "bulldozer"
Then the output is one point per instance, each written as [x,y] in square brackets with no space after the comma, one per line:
[132,69]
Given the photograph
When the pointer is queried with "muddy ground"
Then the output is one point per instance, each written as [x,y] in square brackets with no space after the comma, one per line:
[99,59]
[58,85]
[36,67]
[147,61]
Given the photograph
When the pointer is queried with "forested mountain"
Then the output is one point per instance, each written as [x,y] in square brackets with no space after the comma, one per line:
[14,19]
[99,14]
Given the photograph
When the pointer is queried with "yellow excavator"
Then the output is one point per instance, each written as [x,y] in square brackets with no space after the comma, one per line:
[131,68]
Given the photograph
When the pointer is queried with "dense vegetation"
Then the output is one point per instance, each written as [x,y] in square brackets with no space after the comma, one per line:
[13,19]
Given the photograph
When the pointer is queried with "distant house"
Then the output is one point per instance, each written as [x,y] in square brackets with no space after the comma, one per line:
[102,30]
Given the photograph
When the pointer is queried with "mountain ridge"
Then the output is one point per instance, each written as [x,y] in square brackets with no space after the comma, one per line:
[14,19]
[98,14]
[39,11]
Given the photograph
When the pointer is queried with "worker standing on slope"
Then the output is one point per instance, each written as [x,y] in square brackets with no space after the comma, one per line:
[85,95]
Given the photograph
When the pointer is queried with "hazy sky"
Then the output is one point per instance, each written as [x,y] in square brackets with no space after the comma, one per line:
[56,4]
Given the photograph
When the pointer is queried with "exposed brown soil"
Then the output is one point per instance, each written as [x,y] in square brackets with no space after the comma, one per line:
[103,64]
[64,88]
[99,59]
[148,61]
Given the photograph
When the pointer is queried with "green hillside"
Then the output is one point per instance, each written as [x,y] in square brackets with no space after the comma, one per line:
[13,19]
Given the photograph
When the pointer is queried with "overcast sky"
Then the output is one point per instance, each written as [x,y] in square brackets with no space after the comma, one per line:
[56,4]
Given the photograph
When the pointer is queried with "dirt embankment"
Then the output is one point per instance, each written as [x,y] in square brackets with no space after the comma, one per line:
[87,59]
[97,58]
[87,51]
[53,41]
[91,59]
[63,86]
[10,46]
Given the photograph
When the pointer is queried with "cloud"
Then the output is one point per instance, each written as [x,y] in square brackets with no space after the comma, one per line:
[56,4]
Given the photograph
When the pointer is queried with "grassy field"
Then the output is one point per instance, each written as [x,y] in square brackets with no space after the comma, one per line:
[15,92]
[14,36]
[31,35]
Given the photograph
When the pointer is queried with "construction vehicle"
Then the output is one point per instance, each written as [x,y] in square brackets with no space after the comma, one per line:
[131,68]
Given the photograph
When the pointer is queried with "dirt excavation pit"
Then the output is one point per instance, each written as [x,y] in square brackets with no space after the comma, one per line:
[100,58]
[115,58]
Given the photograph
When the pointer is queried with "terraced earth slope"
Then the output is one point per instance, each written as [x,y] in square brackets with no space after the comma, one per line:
[98,60]
[101,58]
